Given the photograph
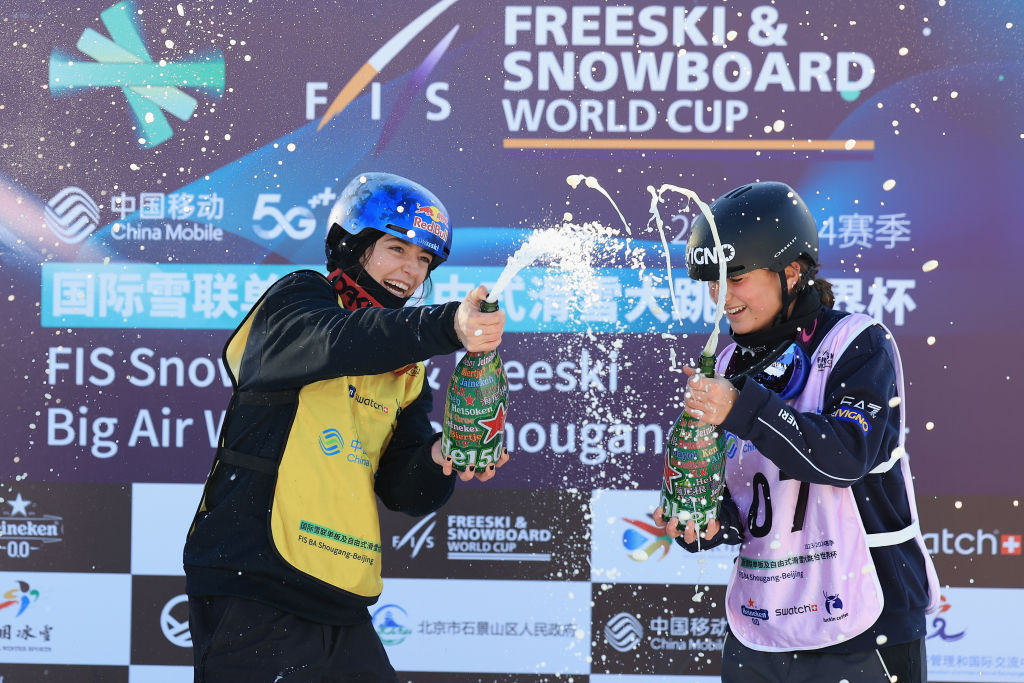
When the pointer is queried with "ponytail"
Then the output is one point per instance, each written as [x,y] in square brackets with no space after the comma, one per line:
[808,271]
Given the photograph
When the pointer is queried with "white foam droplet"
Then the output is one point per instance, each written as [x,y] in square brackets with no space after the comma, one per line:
[889,184]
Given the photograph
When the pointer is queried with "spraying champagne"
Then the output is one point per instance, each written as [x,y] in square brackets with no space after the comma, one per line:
[694,466]
[473,431]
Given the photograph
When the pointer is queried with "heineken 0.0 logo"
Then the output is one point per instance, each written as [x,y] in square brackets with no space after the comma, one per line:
[123,61]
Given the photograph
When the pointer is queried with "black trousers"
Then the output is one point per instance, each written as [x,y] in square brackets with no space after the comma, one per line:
[243,641]
[906,662]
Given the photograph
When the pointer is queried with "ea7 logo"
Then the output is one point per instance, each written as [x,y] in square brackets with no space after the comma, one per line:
[418,537]
[860,404]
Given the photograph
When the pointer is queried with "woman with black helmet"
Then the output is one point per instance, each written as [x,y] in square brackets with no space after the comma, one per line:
[832,581]
[329,412]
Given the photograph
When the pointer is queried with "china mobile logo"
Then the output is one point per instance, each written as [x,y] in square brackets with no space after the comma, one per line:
[123,61]
[331,442]
[20,597]
[624,632]
[72,215]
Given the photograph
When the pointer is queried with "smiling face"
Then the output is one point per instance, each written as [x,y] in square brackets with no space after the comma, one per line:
[752,300]
[399,266]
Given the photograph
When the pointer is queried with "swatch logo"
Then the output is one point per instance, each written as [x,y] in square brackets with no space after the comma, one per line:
[20,597]
[624,632]
[72,215]
[123,61]
[331,442]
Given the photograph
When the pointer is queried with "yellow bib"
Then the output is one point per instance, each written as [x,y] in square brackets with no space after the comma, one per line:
[324,513]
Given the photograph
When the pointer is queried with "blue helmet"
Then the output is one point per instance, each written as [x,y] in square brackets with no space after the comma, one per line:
[396,206]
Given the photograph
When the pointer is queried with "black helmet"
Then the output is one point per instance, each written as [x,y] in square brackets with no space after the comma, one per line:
[760,225]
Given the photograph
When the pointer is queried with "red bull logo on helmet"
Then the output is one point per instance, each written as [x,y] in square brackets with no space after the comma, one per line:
[434,213]
[430,227]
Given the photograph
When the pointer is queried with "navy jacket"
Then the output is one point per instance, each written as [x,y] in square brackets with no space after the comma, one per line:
[864,375]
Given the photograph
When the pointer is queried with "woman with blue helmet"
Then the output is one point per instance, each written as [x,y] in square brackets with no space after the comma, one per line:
[330,411]
[833,580]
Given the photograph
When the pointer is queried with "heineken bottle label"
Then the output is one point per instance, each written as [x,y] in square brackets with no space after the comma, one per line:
[694,472]
[473,433]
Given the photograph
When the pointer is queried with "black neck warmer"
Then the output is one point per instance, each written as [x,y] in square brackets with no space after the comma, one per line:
[756,347]
[356,288]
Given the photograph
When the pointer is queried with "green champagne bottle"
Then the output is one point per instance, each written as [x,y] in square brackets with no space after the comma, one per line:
[473,432]
[694,466]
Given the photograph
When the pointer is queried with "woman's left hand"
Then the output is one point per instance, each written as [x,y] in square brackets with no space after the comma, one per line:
[709,399]
[483,474]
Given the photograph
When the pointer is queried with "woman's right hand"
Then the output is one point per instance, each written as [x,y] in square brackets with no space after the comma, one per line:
[478,331]
[689,533]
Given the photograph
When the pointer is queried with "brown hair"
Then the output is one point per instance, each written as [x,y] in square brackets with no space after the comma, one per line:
[823,286]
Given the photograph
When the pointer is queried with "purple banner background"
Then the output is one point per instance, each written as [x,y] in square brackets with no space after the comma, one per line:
[943,108]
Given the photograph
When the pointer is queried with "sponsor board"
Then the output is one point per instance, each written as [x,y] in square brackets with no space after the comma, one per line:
[160,632]
[629,547]
[658,629]
[483,534]
[969,638]
[161,517]
[57,618]
[61,527]
[466,626]
[975,541]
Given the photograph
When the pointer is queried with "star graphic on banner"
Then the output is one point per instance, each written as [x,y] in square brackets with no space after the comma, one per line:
[494,425]
[19,505]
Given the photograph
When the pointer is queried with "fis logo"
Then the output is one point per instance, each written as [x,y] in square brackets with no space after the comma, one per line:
[380,59]
[123,61]
[72,215]
[418,537]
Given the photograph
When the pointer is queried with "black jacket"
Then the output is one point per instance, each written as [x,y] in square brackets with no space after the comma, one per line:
[298,334]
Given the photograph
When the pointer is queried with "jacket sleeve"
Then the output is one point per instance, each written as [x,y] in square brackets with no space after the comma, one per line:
[300,335]
[408,480]
[852,434]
